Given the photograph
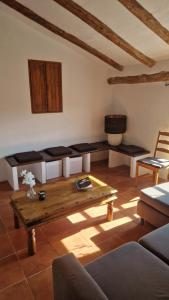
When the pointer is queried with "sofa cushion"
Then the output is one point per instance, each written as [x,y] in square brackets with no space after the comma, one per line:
[58,151]
[157,197]
[131,272]
[25,157]
[157,242]
[72,282]
[83,147]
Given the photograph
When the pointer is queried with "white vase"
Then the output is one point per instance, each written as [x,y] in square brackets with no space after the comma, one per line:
[31,193]
[115,139]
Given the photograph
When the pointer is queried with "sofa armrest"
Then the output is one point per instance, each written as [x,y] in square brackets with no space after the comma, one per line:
[71,281]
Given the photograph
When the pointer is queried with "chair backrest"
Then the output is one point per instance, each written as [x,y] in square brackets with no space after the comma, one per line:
[162,144]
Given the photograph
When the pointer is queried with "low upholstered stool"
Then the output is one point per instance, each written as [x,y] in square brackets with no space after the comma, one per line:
[154,205]
[157,242]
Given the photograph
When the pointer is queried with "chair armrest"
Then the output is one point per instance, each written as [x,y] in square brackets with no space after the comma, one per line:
[71,281]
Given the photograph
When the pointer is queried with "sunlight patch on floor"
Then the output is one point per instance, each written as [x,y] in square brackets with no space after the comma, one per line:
[79,246]
[115,223]
[98,211]
[136,216]
[90,232]
[76,218]
[129,204]
[134,199]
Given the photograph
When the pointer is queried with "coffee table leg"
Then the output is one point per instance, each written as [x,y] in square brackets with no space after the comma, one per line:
[109,211]
[16,221]
[31,242]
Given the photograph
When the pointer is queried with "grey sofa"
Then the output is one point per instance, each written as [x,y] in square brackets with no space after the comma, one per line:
[129,272]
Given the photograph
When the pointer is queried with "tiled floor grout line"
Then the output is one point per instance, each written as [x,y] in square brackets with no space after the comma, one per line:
[27,280]
[15,253]
[11,244]
[10,285]
[49,267]
[30,288]
[4,257]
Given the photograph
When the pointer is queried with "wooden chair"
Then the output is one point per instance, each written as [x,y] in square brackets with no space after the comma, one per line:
[156,163]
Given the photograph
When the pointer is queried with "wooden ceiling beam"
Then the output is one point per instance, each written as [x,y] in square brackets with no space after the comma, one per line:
[58,31]
[143,78]
[104,30]
[147,18]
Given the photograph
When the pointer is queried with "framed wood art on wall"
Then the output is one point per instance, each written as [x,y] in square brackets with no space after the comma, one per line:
[45,78]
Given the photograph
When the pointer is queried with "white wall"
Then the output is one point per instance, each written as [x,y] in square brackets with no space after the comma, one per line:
[86,95]
[146,106]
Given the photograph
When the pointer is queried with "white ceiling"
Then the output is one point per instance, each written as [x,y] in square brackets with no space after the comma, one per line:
[116,16]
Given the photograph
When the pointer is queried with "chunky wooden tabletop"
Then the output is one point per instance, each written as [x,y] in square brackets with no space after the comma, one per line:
[62,198]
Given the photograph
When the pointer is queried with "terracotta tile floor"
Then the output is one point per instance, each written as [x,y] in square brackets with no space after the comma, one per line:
[86,234]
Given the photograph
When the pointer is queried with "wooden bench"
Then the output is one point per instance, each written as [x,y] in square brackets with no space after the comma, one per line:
[86,155]
[65,165]
[119,157]
[13,169]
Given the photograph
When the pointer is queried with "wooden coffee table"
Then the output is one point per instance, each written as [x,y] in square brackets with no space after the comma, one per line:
[62,199]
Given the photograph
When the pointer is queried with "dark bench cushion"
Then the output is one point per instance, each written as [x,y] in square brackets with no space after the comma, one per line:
[25,157]
[131,272]
[58,151]
[157,197]
[130,149]
[83,147]
[157,242]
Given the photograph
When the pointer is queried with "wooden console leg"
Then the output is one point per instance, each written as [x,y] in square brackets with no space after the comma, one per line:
[16,221]
[109,211]
[142,221]
[31,242]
